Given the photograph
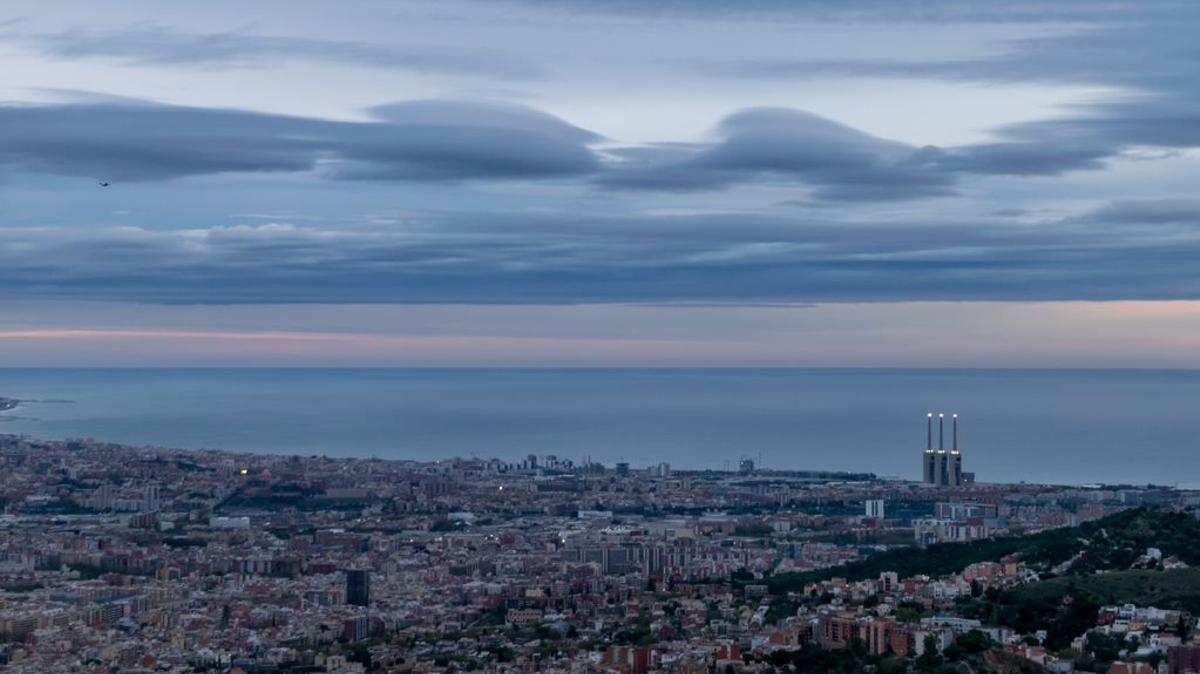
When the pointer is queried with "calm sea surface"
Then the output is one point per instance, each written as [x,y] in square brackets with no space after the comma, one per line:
[1037,426]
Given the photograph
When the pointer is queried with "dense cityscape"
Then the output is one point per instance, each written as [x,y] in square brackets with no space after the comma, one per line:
[145,559]
[600,337]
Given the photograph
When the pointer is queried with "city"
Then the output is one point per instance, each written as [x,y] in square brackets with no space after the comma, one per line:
[600,337]
[141,559]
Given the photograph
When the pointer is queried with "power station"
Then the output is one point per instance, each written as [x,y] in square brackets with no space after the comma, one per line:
[941,468]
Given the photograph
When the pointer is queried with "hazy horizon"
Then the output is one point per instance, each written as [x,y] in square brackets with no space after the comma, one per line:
[1060,427]
[930,334]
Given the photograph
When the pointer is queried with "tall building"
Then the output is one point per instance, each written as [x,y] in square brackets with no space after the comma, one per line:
[358,587]
[150,498]
[874,508]
[102,498]
[942,468]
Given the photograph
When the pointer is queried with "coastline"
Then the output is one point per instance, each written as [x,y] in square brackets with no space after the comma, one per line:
[9,404]
[800,475]
[1073,428]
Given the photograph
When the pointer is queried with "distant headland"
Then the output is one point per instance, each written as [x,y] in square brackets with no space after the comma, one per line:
[7,404]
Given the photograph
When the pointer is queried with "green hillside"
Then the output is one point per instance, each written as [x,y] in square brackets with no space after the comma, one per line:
[1113,542]
[1175,589]
[1066,607]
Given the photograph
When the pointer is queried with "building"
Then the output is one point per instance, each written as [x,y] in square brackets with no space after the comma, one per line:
[1120,667]
[931,530]
[151,501]
[942,468]
[884,636]
[837,630]
[358,587]
[1183,659]
[963,511]
[102,498]
[356,629]
[632,659]
[523,616]
[874,508]
[241,522]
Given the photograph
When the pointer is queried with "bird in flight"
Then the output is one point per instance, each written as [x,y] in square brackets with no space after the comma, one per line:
[104,183]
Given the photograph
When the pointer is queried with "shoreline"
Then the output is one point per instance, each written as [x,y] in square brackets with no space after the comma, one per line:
[788,474]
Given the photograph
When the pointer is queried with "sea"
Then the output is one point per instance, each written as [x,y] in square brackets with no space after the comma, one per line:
[1038,426]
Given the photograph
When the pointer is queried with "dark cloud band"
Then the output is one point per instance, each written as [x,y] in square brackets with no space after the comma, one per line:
[425,141]
[454,141]
[1134,250]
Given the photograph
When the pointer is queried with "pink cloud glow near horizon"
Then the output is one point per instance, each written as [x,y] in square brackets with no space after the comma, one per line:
[997,334]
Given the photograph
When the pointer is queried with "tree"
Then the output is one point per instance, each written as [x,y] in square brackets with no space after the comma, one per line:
[954,653]
[974,642]
[931,658]
[909,612]
[1103,646]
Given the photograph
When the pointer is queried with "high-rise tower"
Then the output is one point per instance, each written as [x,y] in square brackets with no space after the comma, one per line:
[358,587]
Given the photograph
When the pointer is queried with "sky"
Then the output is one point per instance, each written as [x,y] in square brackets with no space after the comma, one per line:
[600,183]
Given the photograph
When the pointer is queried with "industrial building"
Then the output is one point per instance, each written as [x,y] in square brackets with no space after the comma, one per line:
[941,468]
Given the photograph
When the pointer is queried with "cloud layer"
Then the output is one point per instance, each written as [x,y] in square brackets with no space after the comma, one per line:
[474,153]
[436,140]
[1123,251]
[145,44]
[422,141]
